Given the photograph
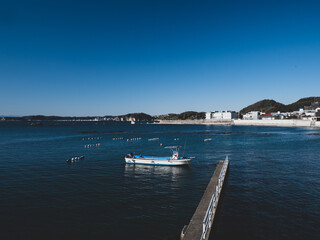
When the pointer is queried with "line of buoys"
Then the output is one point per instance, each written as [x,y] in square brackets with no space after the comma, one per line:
[135,139]
[120,138]
[92,138]
[176,139]
[74,159]
[92,145]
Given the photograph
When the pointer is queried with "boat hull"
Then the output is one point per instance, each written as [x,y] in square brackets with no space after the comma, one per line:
[160,162]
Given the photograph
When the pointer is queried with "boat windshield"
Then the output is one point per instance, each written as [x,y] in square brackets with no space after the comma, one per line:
[174,150]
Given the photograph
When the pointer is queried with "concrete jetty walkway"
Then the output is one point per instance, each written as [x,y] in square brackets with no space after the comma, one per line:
[200,224]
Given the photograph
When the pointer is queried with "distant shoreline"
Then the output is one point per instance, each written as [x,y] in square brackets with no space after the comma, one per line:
[233,122]
[240,122]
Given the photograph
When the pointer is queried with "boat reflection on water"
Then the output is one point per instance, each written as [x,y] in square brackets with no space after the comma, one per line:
[172,172]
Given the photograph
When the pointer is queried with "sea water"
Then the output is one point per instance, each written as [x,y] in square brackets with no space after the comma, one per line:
[272,190]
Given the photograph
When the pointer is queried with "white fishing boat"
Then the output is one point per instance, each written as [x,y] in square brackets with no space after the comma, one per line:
[174,160]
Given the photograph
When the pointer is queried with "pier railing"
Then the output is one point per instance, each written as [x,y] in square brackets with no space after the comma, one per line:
[208,219]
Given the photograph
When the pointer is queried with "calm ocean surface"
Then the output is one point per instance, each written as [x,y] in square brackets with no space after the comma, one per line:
[272,190]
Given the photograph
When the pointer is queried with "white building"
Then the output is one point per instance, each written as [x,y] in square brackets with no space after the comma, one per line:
[267,117]
[310,113]
[253,115]
[208,115]
[317,114]
[305,113]
[223,115]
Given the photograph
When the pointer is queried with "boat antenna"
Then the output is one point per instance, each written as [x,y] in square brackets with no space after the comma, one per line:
[184,149]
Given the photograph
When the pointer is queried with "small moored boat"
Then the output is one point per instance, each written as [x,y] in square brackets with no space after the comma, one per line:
[174,160]
[153,139]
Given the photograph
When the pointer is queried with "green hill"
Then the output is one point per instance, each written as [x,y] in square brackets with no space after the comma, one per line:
[266,105]
[302,103]
[137,117]
[269,105]
[183,116]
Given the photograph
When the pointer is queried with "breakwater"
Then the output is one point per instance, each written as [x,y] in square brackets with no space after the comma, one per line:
[240,122]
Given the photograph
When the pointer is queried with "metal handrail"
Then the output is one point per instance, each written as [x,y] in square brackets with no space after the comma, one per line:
[207,218]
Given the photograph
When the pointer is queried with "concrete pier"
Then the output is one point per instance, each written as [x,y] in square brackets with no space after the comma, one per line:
[200,224]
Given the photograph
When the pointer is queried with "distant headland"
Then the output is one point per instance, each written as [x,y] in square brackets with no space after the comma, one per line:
[266,107]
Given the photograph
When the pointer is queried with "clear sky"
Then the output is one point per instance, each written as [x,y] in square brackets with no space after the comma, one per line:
[76,58]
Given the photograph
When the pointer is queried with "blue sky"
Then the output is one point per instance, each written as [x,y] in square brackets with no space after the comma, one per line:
[114,57]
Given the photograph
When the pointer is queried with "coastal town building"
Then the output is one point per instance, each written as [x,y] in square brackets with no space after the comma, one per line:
[267,117]
[253,115]
[221,115]
[280,115]
[317,114]
[208,115]
[307,112]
